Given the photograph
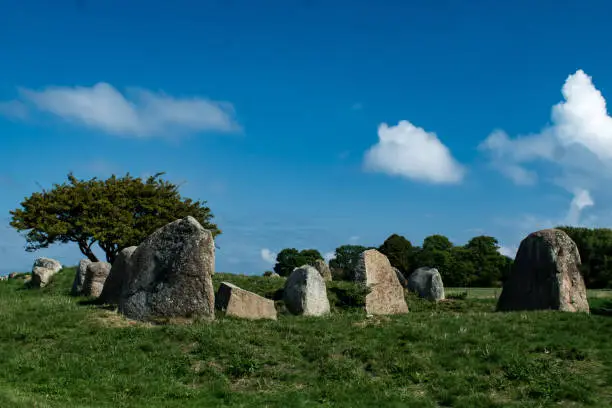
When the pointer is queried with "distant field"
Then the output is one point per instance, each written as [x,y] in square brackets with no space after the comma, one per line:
[493,293]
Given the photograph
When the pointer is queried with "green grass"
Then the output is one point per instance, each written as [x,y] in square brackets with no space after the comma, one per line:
[55,352]
[494,293]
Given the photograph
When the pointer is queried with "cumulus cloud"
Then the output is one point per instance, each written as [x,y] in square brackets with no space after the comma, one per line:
[578,142]
[268,256]
[582,199]
[138,112]
[328,256]
[411,152]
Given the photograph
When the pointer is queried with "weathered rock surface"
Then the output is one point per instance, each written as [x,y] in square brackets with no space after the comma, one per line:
[95,277]
[400,276]
[386,295]
[427,283]
[237,302]
[79,277]
[321,266]
[43,270]
[545,275]
[170,274]
[117,275]
[305,292]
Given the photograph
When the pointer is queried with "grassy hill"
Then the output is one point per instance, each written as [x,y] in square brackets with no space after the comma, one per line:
[56,352]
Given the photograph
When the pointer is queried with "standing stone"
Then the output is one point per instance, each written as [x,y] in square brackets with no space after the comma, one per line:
[170,274]
[427,283]
[79,277]
[400,276]
[95,276]
[112,287]
[238,302]
[386,294]
[43,270]
[305,292]
[545,275]
[321,266]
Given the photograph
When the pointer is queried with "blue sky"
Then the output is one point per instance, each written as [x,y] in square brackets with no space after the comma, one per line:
[313,124]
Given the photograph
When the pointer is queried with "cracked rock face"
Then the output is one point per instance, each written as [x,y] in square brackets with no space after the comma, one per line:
[546,275]
[170,274]
[386,293]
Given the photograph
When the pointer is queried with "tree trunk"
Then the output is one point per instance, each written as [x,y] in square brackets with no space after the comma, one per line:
[86,250]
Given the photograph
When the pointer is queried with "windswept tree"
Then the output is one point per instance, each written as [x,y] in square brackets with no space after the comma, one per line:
[114,213]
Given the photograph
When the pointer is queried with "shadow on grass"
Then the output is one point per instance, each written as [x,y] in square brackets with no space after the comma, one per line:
[602,308]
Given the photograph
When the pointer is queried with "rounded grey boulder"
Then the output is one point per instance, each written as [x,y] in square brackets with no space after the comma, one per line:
[305,292]
[427,283]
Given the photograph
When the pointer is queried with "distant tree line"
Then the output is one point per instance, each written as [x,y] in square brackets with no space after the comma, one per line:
[475,264]
[478,263]
[595,248]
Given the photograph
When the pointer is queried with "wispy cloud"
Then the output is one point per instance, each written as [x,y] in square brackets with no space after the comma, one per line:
[411,152]
[137,112]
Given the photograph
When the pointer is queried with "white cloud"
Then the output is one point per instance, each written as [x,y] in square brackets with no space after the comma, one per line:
[577,143]
[138,113]
[507,251]
[411,152]
[328,256]
[582,199]
[268,256]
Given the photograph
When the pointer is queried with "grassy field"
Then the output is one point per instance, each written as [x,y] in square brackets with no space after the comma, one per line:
[493,293]
[57,352]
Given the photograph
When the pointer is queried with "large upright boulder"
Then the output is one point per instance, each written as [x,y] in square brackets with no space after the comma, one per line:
[305,292]
[118,272]
[79,277]
[237,302]
[545,275]
[43,270]
[386,293]
[427,283]
[321,266]
[170,274]
[95,277]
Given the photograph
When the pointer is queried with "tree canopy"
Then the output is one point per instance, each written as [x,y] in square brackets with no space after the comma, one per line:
[114,213]
[345,260]
[290,258]
[399,251]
